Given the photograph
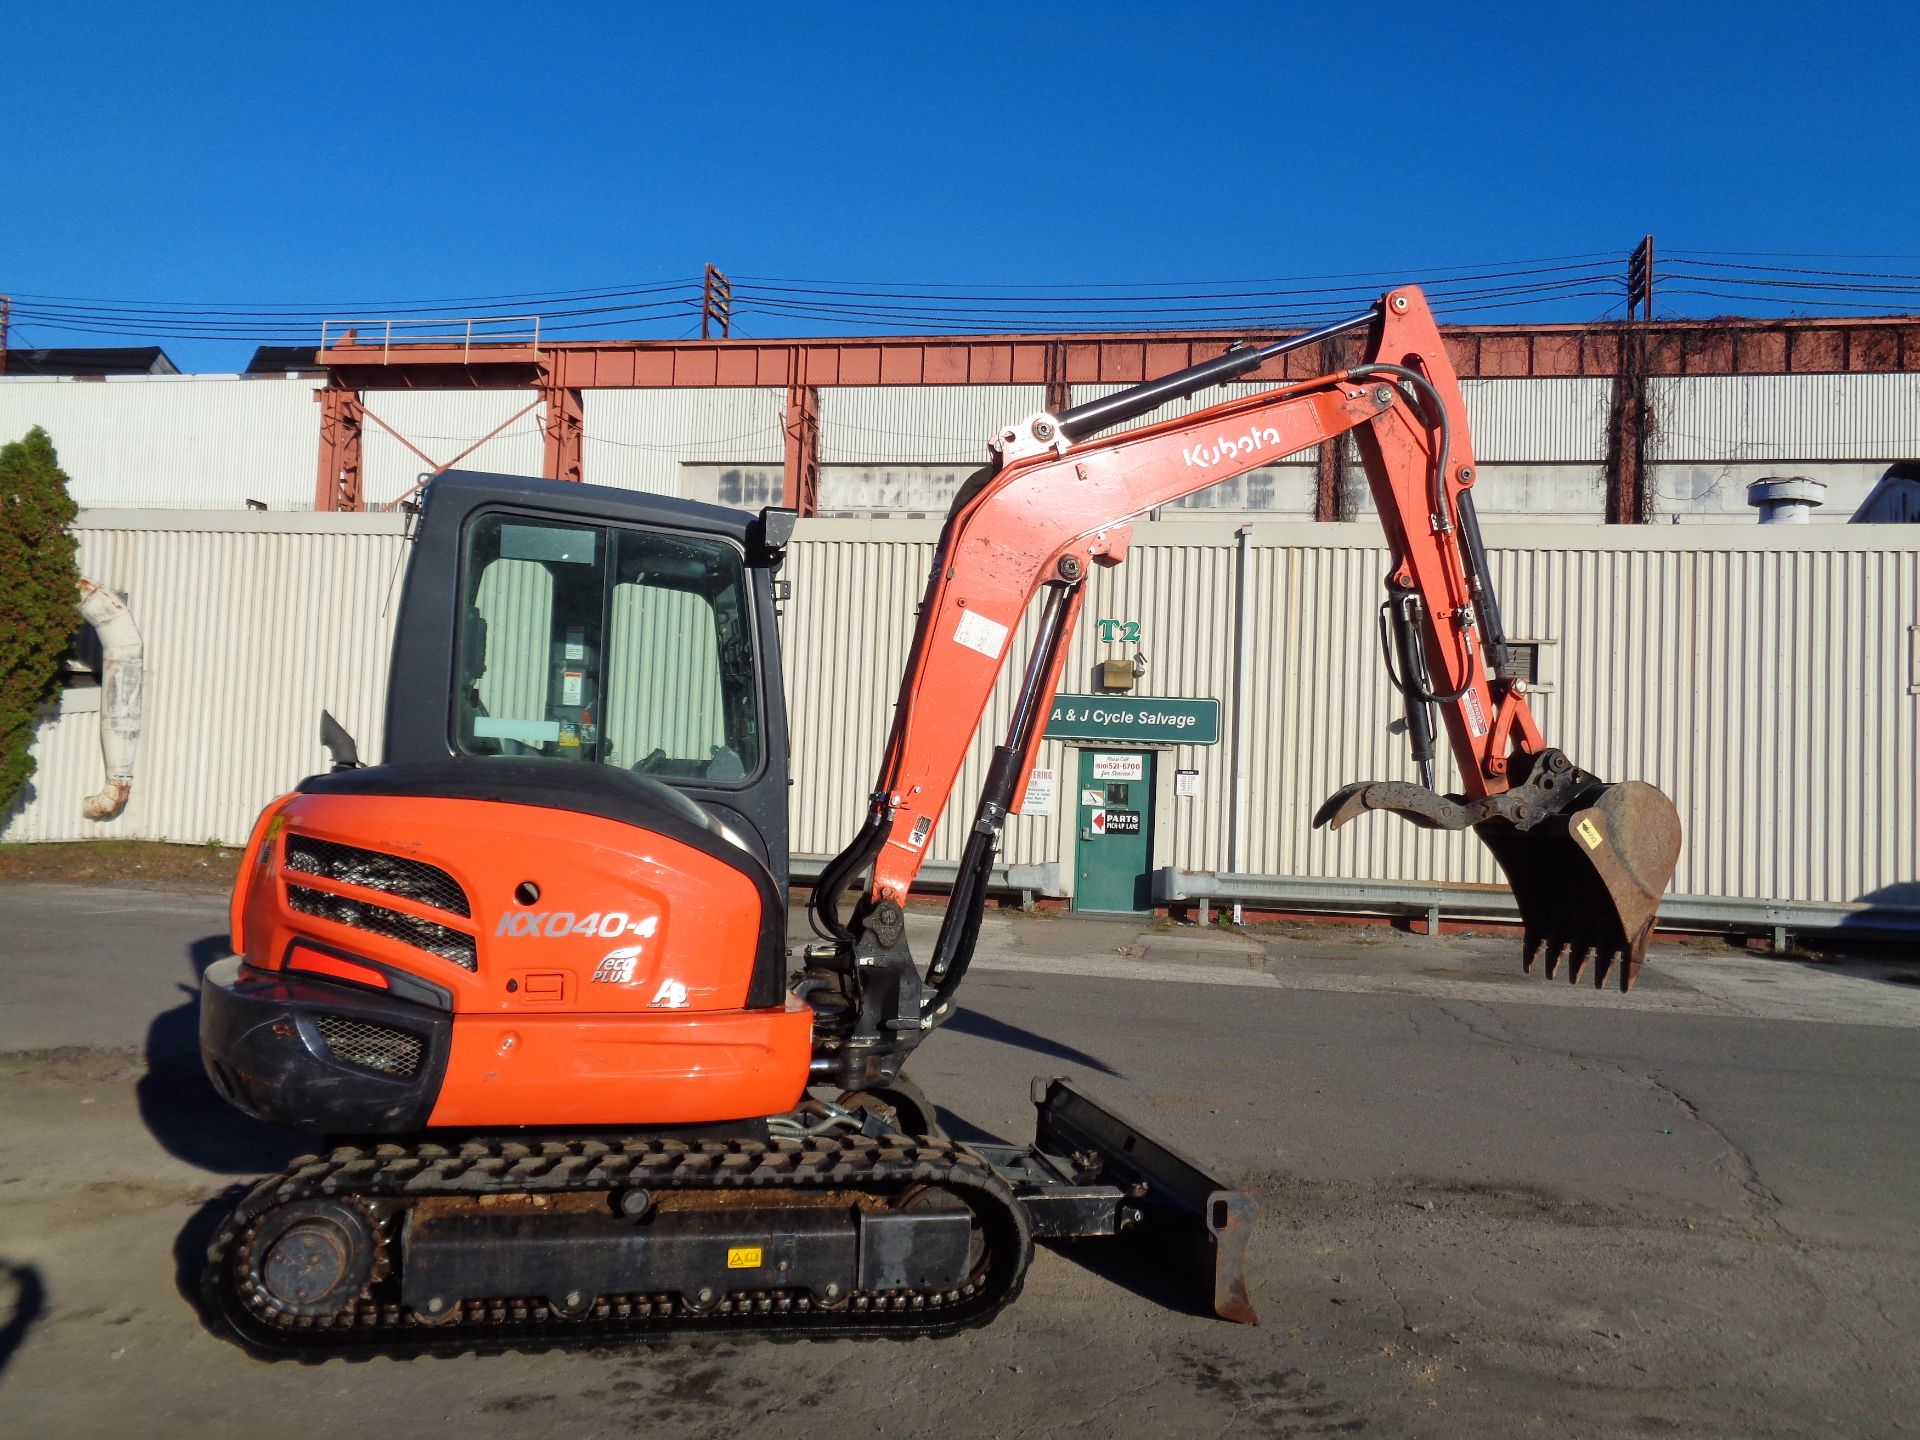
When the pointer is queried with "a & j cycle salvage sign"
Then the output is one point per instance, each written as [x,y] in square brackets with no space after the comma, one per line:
[1134,717]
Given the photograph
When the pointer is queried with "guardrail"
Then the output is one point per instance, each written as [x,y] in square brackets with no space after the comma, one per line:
[1026,881]
[464,331]
[1780,919]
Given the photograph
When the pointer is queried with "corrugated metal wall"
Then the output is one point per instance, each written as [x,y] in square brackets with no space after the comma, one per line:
[217,441]
[251,625]
[1767,678]
[638,439]
[919,424]
[212,441]
[1766,682]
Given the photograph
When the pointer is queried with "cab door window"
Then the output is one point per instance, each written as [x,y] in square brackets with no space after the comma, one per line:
[604,644]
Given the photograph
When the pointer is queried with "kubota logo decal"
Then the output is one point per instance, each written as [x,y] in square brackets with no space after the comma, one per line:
[1231,447]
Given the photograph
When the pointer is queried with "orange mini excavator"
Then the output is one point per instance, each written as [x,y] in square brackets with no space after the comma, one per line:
[531,973]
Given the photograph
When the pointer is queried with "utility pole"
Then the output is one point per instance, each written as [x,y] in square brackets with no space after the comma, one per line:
[1640,279]
[6,314]
[1629,416]
[716,304]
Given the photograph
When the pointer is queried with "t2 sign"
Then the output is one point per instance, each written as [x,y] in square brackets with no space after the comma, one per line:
[1126,632]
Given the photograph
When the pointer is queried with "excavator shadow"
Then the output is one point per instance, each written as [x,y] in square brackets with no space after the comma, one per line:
[1143,1266]
[985,1027]
[179,1105]
[23,1302]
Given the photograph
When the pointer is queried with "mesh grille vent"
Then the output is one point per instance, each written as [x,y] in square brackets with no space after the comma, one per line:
[372,1047]
[407,929]
[412,879]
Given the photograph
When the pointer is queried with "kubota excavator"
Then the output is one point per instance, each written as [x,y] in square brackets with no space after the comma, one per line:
[530,972]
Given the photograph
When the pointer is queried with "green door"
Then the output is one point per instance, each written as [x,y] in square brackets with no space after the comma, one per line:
[1113,811]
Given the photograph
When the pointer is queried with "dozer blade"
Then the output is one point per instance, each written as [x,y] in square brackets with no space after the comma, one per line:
[1587,861]
[1589,882]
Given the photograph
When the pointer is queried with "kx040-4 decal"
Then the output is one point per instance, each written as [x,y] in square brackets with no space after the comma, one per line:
[558,924]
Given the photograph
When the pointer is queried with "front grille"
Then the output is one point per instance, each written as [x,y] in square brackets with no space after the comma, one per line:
[371,1046]
[407,929]
[370,869]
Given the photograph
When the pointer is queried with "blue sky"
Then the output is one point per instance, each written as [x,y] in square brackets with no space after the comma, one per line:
[335,153]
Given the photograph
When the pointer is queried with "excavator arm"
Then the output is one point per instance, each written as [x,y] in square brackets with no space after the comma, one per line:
[1587,861]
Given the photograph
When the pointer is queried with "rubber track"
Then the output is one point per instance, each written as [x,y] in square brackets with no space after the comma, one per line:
[409,1173]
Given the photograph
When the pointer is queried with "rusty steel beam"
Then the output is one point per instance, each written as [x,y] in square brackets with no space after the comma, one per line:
[1628,495]
[565,427]
[1674,347]
[1059,362]
[1059,386]
[800,474]
[342,418]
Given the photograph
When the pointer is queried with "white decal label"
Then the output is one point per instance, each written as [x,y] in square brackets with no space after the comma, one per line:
[1095,798]
[1119,767]
[977,632]
[616,966]
[1476,717]
[1039,797]
[671,995]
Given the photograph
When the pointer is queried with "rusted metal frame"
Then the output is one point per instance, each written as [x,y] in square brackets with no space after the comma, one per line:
[1059,385]
[1628,495]
[1757,347]
[342,419]
[439,466]
[564,432]
[800,465]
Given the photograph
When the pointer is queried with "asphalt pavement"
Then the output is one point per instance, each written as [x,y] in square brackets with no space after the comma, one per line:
[1492,1205]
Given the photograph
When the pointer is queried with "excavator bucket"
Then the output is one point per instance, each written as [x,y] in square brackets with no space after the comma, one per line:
[1587,861]
[1589,882]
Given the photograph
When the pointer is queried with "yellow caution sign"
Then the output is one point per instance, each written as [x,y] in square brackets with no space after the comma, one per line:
[1590,833]
[743,1257]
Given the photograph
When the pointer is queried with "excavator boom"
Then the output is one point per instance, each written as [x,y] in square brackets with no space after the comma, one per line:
[1587,861]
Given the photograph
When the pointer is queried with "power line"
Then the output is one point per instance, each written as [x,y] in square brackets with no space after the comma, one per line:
[804,305]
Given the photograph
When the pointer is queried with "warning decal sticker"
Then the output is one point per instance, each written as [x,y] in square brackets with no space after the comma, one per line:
[978,633]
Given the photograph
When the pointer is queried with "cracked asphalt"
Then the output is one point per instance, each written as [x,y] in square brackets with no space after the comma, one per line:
[1491,1204]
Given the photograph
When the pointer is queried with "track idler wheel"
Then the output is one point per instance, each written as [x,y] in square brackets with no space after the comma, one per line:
[312,1259]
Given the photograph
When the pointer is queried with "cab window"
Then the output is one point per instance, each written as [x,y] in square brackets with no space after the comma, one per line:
[608,645]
